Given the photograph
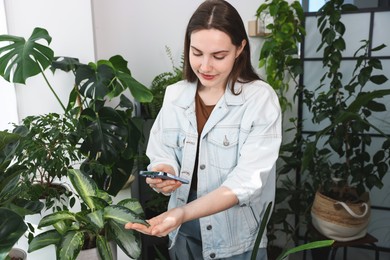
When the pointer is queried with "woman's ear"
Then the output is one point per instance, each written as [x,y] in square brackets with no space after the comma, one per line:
[240,48]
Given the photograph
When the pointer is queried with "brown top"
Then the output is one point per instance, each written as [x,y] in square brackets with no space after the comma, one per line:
[202,114]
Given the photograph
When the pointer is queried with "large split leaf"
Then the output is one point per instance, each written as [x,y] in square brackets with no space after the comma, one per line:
[21,59]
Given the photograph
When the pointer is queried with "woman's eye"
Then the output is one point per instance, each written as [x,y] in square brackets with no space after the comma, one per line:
[197,54]
[219,57]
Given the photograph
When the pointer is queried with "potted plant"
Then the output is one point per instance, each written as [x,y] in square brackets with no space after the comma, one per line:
[47,152]
[279,57]
[107,131]
[334,161]
[98,222]
[12,207]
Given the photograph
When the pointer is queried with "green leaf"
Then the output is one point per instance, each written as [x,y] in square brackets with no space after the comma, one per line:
[128,240]
[138,90]
[133,204]
[364,98]
[70,245]
[260,233]
[126,102]
[65,64]
[12,227]
[349,8]
[103,247]
[339,44]
[84,185]
[311,245]
[7,138]
[51,237]
[122,215]
[120,64]
[378,79]
[96,218]
[375,106]
[23,59]
[56,217]
[106,132]
[380,47]
[94,84]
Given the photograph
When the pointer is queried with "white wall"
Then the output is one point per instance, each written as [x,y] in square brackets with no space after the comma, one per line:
[99,29]
[8,110]
[70,25]
[139,30]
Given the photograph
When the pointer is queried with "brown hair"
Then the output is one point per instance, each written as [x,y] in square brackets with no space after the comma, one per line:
[220,15]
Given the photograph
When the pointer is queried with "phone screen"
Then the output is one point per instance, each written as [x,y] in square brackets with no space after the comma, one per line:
[163,175]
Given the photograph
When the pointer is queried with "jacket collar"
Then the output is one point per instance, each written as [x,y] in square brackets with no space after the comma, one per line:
[187,97]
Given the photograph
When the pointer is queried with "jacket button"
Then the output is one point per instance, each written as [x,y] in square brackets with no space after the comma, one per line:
[202,166]
[209,227]
[212,255]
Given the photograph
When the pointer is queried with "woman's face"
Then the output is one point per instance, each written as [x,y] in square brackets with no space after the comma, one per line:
[212,55]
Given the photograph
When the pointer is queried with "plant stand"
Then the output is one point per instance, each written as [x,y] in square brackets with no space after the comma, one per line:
[364,241]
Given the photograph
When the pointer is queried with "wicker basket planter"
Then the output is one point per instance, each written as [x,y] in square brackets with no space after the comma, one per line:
[341,221]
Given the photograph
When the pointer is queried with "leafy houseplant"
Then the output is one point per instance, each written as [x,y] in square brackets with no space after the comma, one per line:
[335,160]
[107,131]
[279,53]
[12,207]
[346,109]
[279,56]
[47,152]
[99,220]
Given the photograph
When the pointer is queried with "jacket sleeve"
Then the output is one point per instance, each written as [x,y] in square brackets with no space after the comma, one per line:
[254,173]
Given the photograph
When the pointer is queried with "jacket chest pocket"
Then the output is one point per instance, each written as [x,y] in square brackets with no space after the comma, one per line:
[223,143]
[173,139]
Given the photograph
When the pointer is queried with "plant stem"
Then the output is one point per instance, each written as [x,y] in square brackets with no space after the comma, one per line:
[52,90]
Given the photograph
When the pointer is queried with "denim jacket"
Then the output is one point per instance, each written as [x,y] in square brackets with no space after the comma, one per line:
[238,149]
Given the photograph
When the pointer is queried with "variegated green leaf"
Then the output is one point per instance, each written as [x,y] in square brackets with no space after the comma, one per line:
[104,248]
[70,245]
[51,237]
[96,219]
[127,240]
[132,204]
[122,215]
[56,217]
[84,185]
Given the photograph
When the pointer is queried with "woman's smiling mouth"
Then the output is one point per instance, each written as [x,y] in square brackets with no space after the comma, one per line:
[207,77]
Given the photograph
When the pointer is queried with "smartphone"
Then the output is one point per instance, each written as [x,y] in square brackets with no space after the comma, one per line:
[162,175]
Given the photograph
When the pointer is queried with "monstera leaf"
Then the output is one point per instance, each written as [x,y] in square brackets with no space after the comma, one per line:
[106,133]
[110,78]
[22,59]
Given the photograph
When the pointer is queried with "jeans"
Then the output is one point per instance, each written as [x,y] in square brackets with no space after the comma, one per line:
[188,245]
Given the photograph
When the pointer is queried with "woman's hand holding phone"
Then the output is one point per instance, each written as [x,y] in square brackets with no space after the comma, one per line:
[167,185]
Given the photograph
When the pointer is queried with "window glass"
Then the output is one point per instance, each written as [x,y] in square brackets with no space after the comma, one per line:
[314,5]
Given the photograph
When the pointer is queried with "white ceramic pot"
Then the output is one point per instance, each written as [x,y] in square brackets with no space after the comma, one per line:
[36,218]
[93,254]
[17,254]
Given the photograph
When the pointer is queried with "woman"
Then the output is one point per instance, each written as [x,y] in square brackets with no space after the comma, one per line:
[220,128]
